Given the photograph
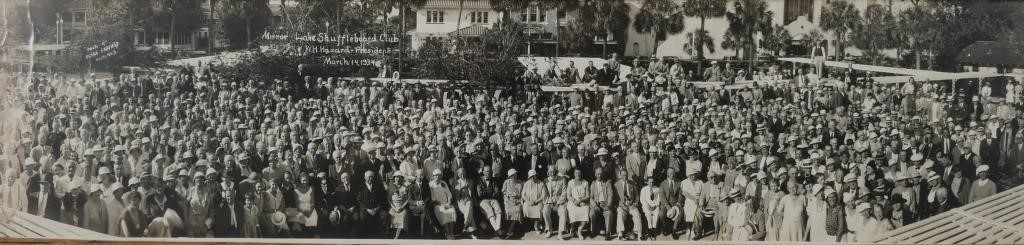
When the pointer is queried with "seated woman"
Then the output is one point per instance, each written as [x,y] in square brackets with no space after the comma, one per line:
[578,205]
[443,201]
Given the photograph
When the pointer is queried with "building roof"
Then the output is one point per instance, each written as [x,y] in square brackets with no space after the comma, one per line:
[24,225]
[989,52]
[998,219]
[454,4]
[469,31]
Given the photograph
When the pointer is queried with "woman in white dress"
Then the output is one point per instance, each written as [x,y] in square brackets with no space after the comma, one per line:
[306,217]
[738,219]
[442,199]
[578,203]
[816,211]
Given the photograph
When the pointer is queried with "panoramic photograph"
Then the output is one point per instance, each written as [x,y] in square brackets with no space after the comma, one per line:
[511,121]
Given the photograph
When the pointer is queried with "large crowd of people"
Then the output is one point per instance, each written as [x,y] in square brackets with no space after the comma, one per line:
[192,154]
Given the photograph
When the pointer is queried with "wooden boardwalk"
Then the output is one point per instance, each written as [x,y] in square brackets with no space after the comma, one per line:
[24,225]
[998,219]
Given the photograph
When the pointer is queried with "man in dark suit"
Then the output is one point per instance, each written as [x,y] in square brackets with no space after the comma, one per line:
[229,217]
[520,161]
[373,204]
[584,162]
[45,203]
[323,195]
[590,72]
[967,163]
[346,207]
[989,151]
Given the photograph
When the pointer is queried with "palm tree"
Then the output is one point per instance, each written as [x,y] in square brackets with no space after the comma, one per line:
[703,9]
[775,40]
[608,18]
[660,18]
[813,38]
[749,17]
[875,32]
[914,26]
[562,7]
[840,18]
[506,7]
[699,39]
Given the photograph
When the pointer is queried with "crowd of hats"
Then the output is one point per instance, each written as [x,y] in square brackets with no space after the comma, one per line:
[153,128]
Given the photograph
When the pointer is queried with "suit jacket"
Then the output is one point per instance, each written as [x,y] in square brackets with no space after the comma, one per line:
[670,192]
[607,190]
[586,165]
[345,198]
[52,208]
[222,226]
[989,151]
[630,200]
[370,199]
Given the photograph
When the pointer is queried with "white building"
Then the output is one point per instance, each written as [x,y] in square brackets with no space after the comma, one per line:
[441,18]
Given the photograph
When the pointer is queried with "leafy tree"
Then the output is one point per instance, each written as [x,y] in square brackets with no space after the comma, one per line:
[876,32]
[562,7]
[840,18]
[487,61]
[731,40]
[749,17]
[916,25]
[813,38]
[660,18]
[244,19]
[704,9]
[608,17]
[776,40]
[578,34]
[506,7]
[180,16]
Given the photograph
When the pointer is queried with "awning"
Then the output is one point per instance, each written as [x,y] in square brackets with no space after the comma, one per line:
[454,4]
[988,52]
[862,67]
[469,31]
[954,76]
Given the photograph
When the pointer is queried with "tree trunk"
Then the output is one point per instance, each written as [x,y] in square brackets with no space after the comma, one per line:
[248,32]
[558,32]
[401,40]
[700,47]
[604,46]
[917,59]
[840,46]
[209,28]
[171,34]
[458,22]
[700,41]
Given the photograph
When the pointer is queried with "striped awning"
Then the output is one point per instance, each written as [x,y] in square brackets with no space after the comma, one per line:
[998,219]
[454,4]
[469,31]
